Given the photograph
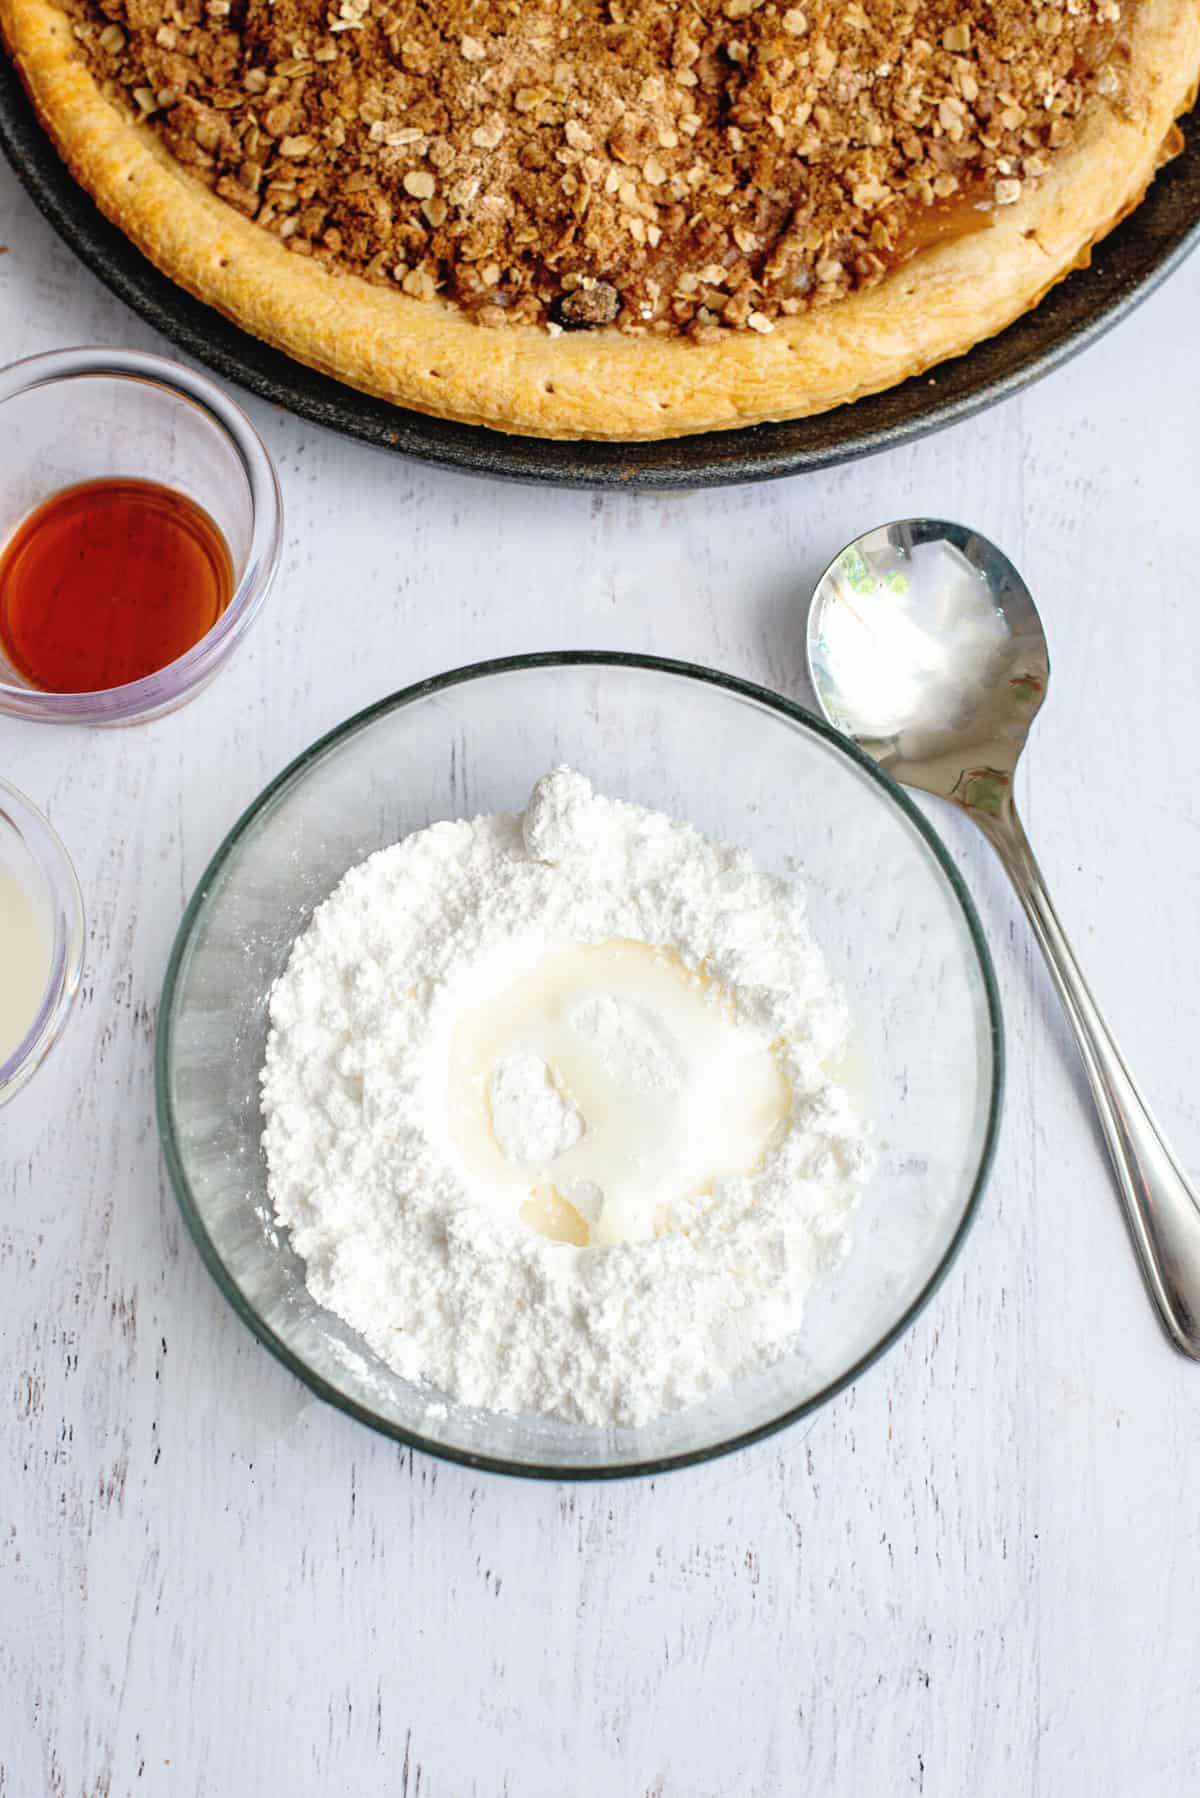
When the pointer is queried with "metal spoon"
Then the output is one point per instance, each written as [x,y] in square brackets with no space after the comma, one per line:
[925,646]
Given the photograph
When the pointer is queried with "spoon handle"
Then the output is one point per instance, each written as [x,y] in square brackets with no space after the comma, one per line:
[1161,1207]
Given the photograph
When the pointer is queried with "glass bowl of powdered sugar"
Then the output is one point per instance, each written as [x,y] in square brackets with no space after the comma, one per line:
[579,1065]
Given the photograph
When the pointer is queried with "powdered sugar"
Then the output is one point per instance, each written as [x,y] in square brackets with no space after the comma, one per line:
[630,1044]
[533,1120]
[410,1222]
[559,821]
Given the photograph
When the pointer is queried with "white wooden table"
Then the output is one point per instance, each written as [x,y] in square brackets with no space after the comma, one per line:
[974,1573]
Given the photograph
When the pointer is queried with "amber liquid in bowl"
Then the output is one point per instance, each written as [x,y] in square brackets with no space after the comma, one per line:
[107,582]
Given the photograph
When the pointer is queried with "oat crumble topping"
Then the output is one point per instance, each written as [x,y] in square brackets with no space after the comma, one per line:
[665,165]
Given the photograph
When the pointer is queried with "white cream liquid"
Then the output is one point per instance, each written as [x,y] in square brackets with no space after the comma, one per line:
[25,950]
[605,1085]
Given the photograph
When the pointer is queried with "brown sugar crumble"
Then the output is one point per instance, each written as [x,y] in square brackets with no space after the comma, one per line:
[664,166]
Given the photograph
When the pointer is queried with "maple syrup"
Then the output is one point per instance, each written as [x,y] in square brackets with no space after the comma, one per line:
[107,582]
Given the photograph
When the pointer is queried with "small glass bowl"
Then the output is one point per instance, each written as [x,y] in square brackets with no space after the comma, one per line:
[32,850]
[94,414]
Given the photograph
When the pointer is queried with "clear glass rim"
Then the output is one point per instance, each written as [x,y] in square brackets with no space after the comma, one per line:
[66,955]
[162,689]
[275,789]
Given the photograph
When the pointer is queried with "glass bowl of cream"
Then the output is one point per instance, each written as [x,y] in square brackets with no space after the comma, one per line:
[41,938]
[743,767]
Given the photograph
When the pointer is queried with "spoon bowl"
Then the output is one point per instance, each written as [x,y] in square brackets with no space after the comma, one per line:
[925,646]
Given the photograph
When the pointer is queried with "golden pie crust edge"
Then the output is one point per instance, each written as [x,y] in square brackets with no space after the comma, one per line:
[607,384]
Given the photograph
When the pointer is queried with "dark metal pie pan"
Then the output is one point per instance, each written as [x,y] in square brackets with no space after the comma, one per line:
[1128,265]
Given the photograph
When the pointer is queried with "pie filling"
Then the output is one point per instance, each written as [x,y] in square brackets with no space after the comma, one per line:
[664,166]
